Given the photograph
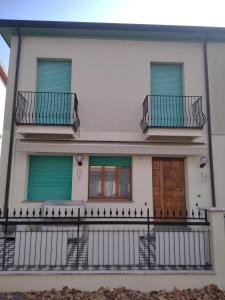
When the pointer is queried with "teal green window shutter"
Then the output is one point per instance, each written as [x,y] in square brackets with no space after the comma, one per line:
[167,80]
[117,161]
[53,77]
[50,178]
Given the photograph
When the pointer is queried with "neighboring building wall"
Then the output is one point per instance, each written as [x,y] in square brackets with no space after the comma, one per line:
[2,100]
[111,78]
[7,119]
[216,62]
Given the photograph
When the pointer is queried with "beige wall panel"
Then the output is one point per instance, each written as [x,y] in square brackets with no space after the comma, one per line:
[112,77]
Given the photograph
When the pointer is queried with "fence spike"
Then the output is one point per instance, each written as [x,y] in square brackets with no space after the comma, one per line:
[59,212]
[135,213]
[40,212]
[46,212]
[0,212]
[199,213]
[53,212]
[71,213]
[117,212]
[129,213]
[104,212]
[98,212]
[85,212]
[110,212]
[141,212]
[92,212]
[65,212]
[123,212]
[27,212]
[33,213]
[192,213]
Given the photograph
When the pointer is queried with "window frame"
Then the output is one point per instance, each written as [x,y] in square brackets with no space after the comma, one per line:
[117,197]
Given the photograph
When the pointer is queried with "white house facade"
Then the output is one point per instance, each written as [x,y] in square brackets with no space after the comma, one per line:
[116,117]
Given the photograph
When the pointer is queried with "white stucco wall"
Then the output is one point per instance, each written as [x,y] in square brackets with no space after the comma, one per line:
[111,78]
[197,184]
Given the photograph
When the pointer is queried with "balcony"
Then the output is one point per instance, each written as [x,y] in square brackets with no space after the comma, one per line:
[179,117]
[47,114]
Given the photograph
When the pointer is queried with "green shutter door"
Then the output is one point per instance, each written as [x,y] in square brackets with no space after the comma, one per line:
[53,77]
[167,80]
[50,178]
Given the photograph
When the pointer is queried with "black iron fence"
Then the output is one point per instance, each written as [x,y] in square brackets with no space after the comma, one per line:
[172,112]
[106,240]
[47,108]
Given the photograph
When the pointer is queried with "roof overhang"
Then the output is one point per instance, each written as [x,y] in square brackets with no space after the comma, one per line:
[3,75]
[8,28]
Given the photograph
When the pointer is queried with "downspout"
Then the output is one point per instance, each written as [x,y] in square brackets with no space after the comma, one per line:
[208,113]
[8,176]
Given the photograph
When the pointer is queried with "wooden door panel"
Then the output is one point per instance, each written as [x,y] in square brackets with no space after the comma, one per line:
[168,186]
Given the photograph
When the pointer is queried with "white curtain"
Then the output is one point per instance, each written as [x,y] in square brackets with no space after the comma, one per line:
[124,182]
[109,184]
[95,181]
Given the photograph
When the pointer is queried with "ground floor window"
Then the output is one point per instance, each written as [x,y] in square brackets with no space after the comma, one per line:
[110,177]
[49,178]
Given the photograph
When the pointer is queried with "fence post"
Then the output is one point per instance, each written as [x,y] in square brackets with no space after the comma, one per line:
[5,239]
[217,238]
[78,236]
[148,223]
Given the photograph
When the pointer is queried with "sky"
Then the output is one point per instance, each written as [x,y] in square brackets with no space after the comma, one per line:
[170,12]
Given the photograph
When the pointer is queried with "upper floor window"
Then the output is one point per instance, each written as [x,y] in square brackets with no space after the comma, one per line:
[110,177]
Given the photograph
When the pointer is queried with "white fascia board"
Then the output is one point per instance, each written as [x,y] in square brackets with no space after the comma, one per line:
[111,148]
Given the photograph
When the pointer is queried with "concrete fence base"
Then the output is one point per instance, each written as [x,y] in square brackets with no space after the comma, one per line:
[145,281]
[90,282]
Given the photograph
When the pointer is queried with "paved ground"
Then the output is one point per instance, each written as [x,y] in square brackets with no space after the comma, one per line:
[211,292]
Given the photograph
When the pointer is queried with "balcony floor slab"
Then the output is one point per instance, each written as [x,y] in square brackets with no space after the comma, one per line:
[50,132]
[172,134]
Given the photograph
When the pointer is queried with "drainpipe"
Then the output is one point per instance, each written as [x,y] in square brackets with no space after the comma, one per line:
[8,176]
[209,123]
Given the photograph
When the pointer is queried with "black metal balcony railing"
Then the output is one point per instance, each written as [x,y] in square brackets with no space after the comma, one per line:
[47,108]
[172,112]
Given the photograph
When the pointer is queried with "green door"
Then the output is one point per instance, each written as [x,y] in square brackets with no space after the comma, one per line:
[167,106]
[50,178]
[52,106]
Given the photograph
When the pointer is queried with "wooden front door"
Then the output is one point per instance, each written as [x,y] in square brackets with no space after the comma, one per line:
[168,186]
